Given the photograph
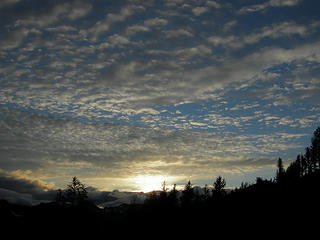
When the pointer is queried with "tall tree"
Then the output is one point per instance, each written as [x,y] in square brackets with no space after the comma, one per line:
[76,191]
[206,193]
[163,193]
[294,169]
[315,149]
[60,199]
[280,171]
[219,185]
[187,195]
[308,160]
[304,165]
[173,196]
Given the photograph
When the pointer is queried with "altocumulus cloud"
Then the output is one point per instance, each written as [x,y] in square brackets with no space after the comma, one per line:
[56,148]
[111,90]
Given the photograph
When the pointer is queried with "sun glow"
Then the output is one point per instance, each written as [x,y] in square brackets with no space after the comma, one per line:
[148,183]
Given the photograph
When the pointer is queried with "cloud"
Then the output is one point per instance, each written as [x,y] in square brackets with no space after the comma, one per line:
[148,110]
[173,3]
[49,13]
[213,4]
[155,22]
[200,10]
[148,25]
[229,25]
[19,188]
[269,4]
[6,3]
[170,82]
[168,87]
[278,3]
[15,197]
[200,50]
[178,33]
[117,40]
[79,10]
[66,147]
[111,18]
[14,38]
[197,11]
[62,28]
[45,16]
[135,29]
[285,29]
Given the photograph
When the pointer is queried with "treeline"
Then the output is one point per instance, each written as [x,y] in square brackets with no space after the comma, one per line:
[291,198]
[305,166]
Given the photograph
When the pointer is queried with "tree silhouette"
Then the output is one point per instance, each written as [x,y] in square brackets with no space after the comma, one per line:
[315,149]
[163,193]
[76,192]
[187,195]
[60,198]
[280,172]
[308,160]
[294,169]
[206,193]
[219,185]
[173,196]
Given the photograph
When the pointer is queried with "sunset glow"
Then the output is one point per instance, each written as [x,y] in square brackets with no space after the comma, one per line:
[147,183]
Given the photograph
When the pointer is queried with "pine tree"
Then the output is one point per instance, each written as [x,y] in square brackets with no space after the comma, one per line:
[315,149]
[280,171]
[206,193]
[187,195]
[219,185]
[173,196]
[308,160]
[218,188]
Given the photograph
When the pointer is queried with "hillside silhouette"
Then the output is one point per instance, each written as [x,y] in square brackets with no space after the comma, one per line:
[288,201]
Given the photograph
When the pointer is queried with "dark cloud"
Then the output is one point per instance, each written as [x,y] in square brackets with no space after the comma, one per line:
[15,197]
[6,3]
[13,38]
[18,189]
[20,185]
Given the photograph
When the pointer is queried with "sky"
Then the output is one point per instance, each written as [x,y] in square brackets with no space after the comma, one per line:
[127,94]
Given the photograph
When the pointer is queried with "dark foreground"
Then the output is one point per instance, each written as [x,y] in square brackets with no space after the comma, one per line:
[292,205]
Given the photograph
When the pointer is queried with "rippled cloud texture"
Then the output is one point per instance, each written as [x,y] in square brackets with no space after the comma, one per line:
[186,89]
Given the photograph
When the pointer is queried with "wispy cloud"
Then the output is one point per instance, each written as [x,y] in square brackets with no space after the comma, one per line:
[269,4]
[285,29]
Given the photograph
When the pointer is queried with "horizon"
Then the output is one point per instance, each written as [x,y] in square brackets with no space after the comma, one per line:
[128,94]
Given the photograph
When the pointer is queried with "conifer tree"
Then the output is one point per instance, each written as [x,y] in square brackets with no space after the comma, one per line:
[173,196]
[187,195]
[280,171]
[308,160]
[315,149]
[219,185]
